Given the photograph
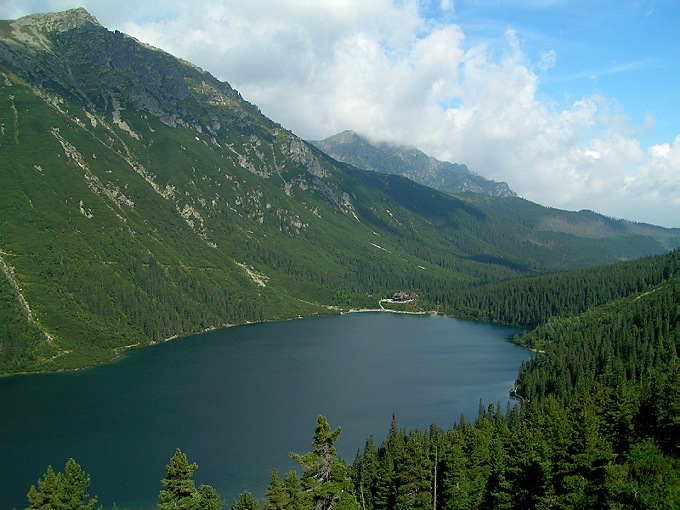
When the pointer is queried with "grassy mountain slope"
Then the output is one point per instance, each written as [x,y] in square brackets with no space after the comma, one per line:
[141,199]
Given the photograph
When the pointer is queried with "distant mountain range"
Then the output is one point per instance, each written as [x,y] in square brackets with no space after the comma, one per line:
[141,199]
[410,162]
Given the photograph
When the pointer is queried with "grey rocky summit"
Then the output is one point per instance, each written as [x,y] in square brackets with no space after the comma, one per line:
[350,147]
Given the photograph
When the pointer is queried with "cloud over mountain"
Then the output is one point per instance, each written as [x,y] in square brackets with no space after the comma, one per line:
[408,72]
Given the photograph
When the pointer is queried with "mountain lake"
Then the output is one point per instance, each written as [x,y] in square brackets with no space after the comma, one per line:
[238,400]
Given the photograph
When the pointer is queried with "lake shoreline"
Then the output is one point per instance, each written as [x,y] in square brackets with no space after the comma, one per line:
[119,352]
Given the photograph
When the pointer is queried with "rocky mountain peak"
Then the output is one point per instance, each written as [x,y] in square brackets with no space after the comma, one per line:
[384,157]
[346,136]
[57,21]
[34,30]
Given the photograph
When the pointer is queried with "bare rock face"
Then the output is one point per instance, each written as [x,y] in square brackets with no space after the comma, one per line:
[300,152]
[105,68]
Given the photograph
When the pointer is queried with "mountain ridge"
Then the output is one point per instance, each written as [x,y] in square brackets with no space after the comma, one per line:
[350,147]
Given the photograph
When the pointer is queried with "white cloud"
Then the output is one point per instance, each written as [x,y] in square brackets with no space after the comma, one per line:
[547,60]
[660,151]
[386,70]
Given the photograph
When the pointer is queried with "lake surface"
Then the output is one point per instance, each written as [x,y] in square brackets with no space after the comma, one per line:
[237,401]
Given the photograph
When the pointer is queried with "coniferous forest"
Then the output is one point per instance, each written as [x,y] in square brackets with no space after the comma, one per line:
[596,423]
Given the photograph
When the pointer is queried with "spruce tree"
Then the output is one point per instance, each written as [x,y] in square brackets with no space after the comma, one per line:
[384,493]
[291,485]
[73,493]
[326,481]
[246,501]
[45,495]
[209,499]
[412,476]
[62,491]
[277,498]
[180,491]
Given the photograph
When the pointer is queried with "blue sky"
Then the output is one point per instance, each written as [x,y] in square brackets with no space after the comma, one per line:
[628,51]
[575,104]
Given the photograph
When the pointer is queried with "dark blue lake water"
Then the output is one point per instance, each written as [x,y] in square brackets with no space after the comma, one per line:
[237,401]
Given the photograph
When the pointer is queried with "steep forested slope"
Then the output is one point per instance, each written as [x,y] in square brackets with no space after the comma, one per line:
[533,301]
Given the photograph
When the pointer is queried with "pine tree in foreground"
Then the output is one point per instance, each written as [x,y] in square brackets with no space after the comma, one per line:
[62,491]
[180,491]
[246,501]
[326,482]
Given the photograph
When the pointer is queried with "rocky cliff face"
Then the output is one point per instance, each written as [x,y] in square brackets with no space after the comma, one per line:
[71,54]
[410,162]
